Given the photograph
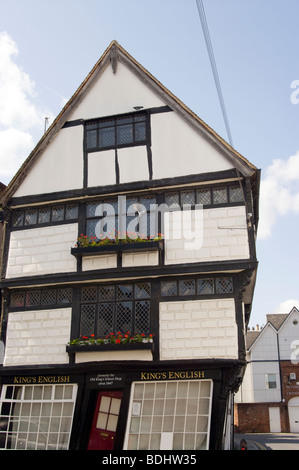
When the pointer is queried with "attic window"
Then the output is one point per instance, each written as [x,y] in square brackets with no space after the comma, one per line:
[122,131]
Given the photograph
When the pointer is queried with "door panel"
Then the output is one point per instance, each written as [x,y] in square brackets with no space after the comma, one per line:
[274,418]
[104,424]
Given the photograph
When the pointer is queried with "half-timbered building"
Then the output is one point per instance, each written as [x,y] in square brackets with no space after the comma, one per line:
[128,273]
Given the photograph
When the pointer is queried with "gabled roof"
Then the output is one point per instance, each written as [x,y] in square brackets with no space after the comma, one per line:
[111,56]
[275,321]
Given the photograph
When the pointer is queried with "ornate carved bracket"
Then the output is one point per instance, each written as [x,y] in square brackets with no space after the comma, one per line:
[114,58]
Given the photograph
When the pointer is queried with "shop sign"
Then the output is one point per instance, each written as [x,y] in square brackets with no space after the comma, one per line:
[106,380]
[173,375]
[41,379]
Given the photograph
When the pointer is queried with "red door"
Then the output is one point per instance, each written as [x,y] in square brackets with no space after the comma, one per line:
[105,420]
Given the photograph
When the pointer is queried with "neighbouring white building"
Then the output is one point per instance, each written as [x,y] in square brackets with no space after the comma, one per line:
[268,398]
[138,344]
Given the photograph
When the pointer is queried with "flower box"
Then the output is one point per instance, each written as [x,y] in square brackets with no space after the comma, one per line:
[109,347]
[117,247]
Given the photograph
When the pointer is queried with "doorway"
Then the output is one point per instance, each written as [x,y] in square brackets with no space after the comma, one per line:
[274,418]
[293,408]
[105,419]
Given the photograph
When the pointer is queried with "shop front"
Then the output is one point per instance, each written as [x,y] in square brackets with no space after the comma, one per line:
[117,408]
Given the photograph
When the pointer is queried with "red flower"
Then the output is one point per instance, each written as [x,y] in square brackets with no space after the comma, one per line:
[118,341]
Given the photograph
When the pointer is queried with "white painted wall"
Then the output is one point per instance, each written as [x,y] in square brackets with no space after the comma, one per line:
[133,164]
[142,258]
[261,392]
[224,237]
[90,263]
[59,168]
[101,168]
[115,94]
[289,336]
[42,250]
[266,346]
[38,337]
[198,329]
[138,355]
[245,393]
[177,149]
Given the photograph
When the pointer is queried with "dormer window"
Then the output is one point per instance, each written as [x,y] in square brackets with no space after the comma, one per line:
[121,131]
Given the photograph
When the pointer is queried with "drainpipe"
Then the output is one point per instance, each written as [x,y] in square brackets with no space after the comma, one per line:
[280,375]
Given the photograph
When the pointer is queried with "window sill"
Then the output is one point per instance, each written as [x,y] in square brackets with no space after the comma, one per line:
[127,247]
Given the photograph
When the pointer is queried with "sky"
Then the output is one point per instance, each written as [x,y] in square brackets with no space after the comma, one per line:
[48,48]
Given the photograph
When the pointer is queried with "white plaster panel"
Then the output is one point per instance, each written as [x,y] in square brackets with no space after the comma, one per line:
[133,164]
[99,262]
[177,149]
[38,337]
[198,329]
[144,258]
[115,94]
[44,250]
[139,355]
[101,168]
[224,236]
[59,168]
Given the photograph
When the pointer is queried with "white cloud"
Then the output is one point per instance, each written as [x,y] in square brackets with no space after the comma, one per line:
[17,89]
[14,144]
[20,118]
[287,305]
[279,194]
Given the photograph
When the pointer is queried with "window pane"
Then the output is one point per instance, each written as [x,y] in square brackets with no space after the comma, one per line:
[187,287]
[219,195]
[57,213]
[44,216]
[124,316]
[106,293]
[124,291]
[205,286]
[105,319]
[204,197]
[32,298]
[140,131]
[18,219]
[169,288]
[71,212]
[30,217]
[91,139]
[87,320]
[224,285]
[106,137]
[17,299]
[235,194]
[188,197]
[143,290]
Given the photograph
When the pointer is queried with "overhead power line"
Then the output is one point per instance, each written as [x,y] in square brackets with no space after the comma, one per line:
[206,33]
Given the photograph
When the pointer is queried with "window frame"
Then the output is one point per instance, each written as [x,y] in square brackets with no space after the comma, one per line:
[97,302]
[271,384]
[116,123]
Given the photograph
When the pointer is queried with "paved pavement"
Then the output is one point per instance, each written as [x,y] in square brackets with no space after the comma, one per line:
[271,441]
